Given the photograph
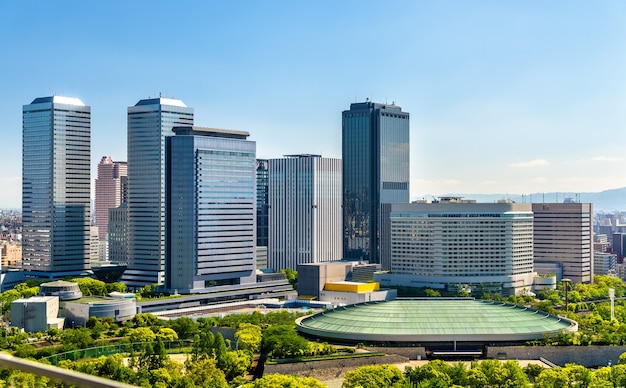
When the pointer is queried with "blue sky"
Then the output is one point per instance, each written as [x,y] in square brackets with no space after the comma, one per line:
[505,97]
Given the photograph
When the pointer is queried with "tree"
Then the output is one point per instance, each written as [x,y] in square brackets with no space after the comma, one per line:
[373,376]
[432,293]
[284,381]
[204,373]
[236,363]
[185,327]
[248,337]
[142,334]
[291,276]
[79,338]
[284,341]
[166,334]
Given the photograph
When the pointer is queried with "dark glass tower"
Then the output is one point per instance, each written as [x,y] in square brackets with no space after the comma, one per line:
[56,187]
[262,182]
[375,148]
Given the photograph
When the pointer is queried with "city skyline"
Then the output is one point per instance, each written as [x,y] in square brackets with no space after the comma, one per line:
[505,98]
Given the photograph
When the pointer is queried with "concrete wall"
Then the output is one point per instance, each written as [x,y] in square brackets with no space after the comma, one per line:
[331,369]
[588,356]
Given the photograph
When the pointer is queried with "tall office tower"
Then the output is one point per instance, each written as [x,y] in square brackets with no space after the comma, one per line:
[375,148]
[56,187]
[262,204]
[563,235]
[110,191]
[211,212]
[486,246]
[149,123]
[118,234]
[305,211]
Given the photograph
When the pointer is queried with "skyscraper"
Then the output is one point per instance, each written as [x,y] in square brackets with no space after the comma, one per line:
[150,121]
[563,240]
[110,191]
[375,149]
[304,211]
[211,212]
[262,204]
[56,187]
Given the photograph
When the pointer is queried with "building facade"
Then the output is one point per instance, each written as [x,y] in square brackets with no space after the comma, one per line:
[111,190]
[211,209]
[304,211]
[475,245]
[118,234]
[375,149]
[262,202]
[563,235]
[150,122]
[56,187]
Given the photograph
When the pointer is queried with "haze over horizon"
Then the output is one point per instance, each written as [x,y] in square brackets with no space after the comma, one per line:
[504,97]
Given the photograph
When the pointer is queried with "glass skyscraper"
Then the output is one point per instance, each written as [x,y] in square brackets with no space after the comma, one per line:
[211,212]
[150,121]
[262,204]
[304,211]
[56,187]
[375,149]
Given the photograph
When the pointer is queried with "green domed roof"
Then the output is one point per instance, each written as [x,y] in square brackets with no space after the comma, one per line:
[433,319]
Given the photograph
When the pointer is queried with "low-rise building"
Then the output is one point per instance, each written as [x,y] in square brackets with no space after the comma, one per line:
[119,306]
[36,314]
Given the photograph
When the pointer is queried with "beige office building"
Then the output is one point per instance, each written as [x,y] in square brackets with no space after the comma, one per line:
[563,237]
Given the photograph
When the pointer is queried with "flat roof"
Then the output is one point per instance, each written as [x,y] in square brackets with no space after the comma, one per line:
[434,320]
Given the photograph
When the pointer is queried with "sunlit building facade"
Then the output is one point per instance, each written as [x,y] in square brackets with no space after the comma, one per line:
[304,211]
[56,187]
[564,237]
[375,149]
[478,245]
[211,209]
[150,121]
[110,191]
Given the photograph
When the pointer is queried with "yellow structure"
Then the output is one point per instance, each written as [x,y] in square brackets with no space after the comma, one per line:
[352,287]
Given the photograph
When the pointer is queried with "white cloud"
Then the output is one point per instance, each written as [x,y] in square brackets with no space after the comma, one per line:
[530,164]
[539,179]
[608,159]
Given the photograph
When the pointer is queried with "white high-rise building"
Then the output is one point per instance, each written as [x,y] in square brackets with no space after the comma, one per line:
[304,211]
[56,187]
[150,121]
[451,244]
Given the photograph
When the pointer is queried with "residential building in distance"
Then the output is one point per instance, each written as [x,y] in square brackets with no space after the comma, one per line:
[604,263]
[451,245]
[211,209]
[304,211]
[150,121]
[118,234]
[375,157]
[262,204]
[111,191]
[563,236]
[56,187]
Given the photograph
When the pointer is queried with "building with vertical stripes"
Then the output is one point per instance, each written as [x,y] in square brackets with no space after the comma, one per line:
[56,182]
[211,209]
[563,235]
[110,191]
[150,121]
[304,211]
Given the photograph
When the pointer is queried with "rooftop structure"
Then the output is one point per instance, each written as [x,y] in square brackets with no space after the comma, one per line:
[433,320]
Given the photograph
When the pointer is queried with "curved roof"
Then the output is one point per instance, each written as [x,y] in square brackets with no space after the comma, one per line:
[434,319]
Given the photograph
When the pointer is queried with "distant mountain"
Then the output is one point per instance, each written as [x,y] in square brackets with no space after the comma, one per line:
[603,201]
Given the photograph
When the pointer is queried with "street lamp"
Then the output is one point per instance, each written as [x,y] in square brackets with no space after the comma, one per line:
[566,282]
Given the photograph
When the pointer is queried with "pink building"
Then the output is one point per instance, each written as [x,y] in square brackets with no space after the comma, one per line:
[110,191]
